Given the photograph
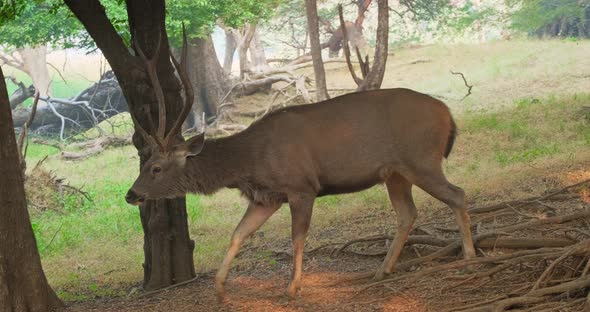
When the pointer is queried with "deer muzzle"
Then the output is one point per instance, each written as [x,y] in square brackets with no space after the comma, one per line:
[133,198]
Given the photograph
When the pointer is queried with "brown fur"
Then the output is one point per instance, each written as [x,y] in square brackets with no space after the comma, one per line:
[342,145]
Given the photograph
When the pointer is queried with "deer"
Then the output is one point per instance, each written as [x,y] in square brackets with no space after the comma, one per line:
[396,137]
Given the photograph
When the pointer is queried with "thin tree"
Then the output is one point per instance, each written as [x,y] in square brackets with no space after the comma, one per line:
[23,286]
[372,76]
[316,51]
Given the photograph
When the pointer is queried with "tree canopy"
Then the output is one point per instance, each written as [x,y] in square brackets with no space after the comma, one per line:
[30,22]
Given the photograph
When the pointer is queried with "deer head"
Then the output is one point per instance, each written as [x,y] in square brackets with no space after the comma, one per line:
[158,175]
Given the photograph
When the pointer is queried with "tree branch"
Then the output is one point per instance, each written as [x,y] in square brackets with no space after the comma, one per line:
[92,15]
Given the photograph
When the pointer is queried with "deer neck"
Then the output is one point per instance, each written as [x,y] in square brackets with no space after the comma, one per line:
[221,163]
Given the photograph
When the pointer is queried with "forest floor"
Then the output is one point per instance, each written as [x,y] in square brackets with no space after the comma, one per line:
[522,133]
[335,279]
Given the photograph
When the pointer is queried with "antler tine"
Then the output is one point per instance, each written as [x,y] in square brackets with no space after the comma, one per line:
[142,131]
[152,73]
[188,88]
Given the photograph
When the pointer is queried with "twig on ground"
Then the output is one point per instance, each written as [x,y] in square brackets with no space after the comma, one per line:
[469,87]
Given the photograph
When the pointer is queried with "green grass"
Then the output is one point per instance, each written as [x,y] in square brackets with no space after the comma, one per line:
[532,129]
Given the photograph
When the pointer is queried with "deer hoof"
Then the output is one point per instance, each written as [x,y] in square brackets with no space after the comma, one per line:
[220,292]
[292,290]
[379,276]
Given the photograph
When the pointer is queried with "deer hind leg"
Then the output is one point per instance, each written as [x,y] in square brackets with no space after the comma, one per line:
[400,195]
[255,216]
[301,210]
[437,185]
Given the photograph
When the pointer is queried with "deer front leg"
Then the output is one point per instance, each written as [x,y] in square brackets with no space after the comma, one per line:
[255,216]
[301,210]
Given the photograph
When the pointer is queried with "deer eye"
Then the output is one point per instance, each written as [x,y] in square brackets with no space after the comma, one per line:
[156,169]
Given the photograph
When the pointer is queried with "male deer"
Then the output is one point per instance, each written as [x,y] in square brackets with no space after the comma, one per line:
[293,155]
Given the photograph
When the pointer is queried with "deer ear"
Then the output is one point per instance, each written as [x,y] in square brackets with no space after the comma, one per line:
[194,145]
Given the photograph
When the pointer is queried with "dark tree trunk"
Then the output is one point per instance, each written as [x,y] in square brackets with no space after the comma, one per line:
[23,286]
[231,44]
[167,245]
[375,75]
[316,51]
[209,80]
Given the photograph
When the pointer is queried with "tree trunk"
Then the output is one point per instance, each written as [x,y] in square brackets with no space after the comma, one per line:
[316,52]
[35,65]
[259,63]
[209,80]
[375,75]
[247,34]
[167,246]
[355,39]
[23,286]
[230,49]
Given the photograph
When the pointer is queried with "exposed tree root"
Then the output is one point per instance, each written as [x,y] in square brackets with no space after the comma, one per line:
[543,273]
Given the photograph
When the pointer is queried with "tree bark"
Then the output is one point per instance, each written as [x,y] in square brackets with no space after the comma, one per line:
[316,52]
[208,78]
[230,49]
[259,63]
[167,245]
[375,76]
[33,62]
[23,285]
[246,36]
[35,65]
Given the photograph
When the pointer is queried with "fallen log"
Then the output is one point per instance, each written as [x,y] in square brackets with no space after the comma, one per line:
[94,147]
[99,102]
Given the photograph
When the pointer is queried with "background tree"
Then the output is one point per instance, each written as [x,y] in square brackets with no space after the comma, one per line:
[372,77]
[26,37]
[316,51]
[23,286]
[241,20]
[565,18]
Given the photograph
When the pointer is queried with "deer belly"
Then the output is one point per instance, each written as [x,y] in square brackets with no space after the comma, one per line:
[348,187]
[351,180]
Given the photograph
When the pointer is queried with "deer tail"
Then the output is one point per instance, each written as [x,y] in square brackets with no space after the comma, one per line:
[451,139]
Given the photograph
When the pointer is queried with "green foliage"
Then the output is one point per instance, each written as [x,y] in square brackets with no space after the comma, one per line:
[39,23]
[201,16]
[9,9]
[531,15]
[50,21]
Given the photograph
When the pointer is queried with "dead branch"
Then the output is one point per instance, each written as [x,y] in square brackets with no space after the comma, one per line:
[469,87]
[490,242]
[449,249]
[527,201]
[23,134]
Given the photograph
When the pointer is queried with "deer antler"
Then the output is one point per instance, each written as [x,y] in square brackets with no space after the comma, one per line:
[161,138]
[188,88]
[150,65]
